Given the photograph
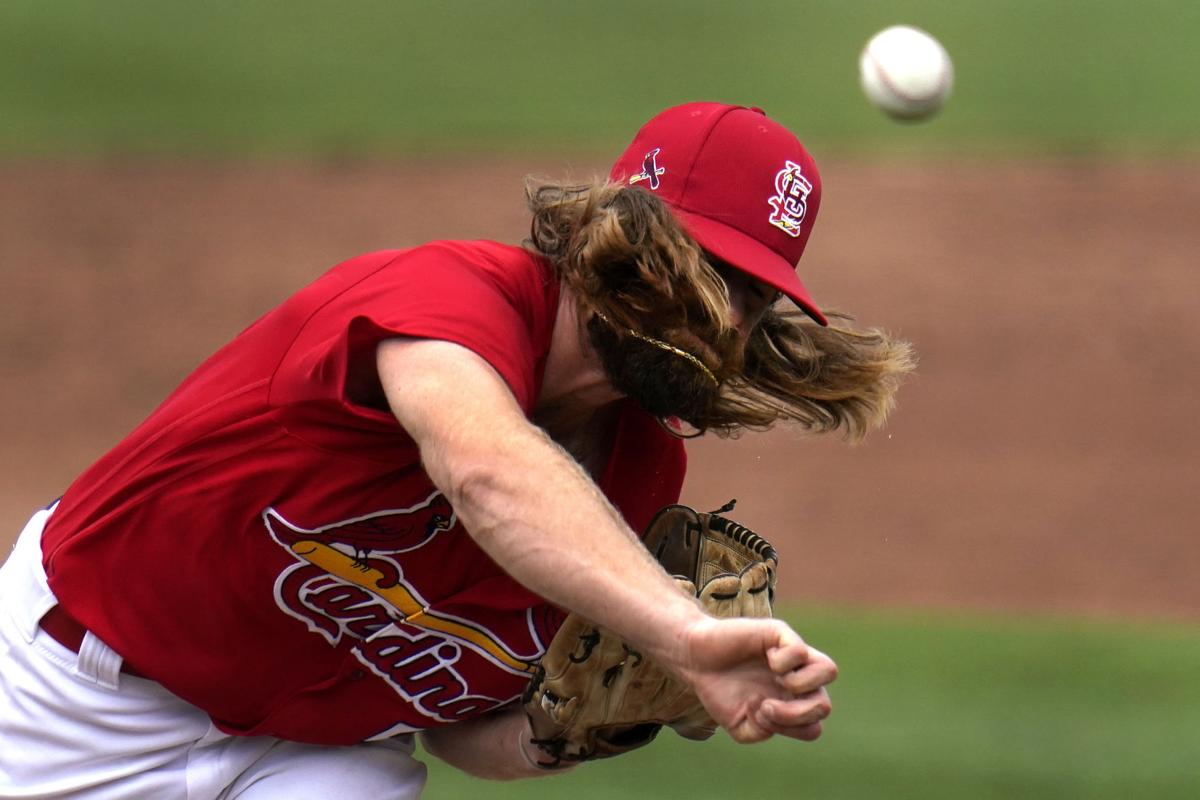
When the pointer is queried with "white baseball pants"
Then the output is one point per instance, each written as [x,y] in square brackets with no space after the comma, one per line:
[74,726]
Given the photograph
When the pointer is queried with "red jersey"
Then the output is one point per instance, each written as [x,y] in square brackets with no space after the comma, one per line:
[266,544]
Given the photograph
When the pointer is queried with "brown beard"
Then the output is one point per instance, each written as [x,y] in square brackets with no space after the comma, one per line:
[662,382]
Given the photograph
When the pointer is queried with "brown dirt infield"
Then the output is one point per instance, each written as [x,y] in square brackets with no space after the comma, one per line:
[1043,460]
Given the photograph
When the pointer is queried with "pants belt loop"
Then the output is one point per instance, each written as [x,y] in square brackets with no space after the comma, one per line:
[98,662]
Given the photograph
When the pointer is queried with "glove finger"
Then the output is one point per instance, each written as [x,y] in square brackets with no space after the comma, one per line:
[755,597]
[686,586]
[720,596]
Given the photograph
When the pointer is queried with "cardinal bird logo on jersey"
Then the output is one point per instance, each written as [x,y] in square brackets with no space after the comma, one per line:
[651,171]
[391,531]
[347,582]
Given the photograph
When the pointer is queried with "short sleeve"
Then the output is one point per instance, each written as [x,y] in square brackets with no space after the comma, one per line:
[493,299]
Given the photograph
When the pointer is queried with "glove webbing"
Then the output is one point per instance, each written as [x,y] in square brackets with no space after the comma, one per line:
[745,537]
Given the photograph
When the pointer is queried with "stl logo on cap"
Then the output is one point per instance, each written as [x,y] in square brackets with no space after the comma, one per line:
[650,170]
[791,199]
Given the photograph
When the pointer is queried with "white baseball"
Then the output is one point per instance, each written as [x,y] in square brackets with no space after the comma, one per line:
[906,72]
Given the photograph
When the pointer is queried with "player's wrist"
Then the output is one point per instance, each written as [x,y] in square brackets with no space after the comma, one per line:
[658,623]
[685,659]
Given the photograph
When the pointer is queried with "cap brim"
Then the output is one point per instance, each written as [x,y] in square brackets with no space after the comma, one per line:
[751,256]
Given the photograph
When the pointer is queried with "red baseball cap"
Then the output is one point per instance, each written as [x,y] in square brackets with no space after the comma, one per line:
[740,183]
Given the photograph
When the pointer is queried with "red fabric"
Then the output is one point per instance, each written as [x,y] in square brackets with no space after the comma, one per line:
[194,547]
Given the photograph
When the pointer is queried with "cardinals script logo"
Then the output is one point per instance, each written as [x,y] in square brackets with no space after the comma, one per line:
[790,202]
[347,583]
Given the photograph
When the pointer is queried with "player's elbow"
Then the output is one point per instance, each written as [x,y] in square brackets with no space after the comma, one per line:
[480,751]
[480,494]
[444,748]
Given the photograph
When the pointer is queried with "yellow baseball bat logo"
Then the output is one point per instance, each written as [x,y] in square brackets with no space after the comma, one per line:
[343,566]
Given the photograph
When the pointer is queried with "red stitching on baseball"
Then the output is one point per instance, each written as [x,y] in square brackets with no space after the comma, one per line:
[887,81]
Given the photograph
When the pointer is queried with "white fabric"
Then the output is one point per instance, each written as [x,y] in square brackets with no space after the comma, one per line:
[75,726]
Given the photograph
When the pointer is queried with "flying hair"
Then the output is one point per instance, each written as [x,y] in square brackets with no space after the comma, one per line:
[625,256]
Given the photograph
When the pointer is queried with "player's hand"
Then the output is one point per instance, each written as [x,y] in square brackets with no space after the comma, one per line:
[758,678]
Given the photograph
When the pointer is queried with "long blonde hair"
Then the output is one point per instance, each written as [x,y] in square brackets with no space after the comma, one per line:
[624,255]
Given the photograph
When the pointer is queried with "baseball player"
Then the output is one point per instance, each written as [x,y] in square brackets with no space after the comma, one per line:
[364,518]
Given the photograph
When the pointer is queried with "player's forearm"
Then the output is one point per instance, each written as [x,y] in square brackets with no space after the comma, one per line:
[574,548]
[494,746]
[525,500]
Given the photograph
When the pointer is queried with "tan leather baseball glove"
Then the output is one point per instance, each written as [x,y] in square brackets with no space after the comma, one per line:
[594,696]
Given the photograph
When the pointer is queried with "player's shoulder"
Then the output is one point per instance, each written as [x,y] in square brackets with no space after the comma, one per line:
[479,250]
[511,268]
[460,250]
[481,254]
[471,270]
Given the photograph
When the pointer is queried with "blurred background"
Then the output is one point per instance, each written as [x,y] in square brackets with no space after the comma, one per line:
[1005,574]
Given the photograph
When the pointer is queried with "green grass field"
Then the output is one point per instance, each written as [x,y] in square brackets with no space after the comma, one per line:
[950,707]
[324,77]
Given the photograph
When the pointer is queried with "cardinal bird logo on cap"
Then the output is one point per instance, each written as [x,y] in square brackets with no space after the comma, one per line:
[650,170]
[791,199]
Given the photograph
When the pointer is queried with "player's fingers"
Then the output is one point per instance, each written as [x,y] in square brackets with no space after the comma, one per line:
[789,653]
[819,671]
[792,716]
[806,733]
[749,731]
